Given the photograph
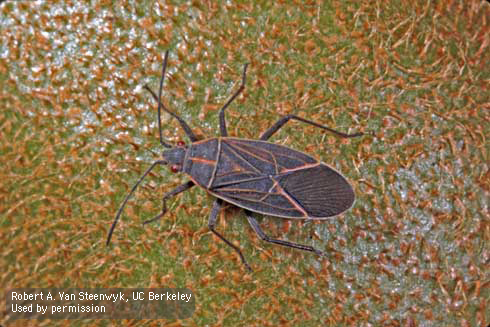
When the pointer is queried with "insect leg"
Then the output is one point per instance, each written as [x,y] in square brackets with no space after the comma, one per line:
[222,122]
[212,223]
[256,227]
[119,212]
[274,128]
[168,195]
[182,123]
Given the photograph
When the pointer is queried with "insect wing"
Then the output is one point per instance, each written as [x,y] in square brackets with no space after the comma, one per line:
[320,190]
[274,180]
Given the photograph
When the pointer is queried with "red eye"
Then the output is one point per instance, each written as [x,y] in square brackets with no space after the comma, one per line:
[181,144]
[175,168]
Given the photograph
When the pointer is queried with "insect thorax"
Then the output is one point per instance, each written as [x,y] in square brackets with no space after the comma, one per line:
[174,156]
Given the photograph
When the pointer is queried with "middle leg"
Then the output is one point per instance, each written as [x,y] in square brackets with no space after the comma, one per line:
[282,121]
[212,224]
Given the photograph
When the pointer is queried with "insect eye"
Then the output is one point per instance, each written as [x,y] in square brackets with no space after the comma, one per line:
[181,144]
[175,168]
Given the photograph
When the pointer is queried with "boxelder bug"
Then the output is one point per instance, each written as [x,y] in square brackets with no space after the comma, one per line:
[255,175]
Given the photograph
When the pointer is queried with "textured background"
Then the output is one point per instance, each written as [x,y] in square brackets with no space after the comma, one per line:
[77,130]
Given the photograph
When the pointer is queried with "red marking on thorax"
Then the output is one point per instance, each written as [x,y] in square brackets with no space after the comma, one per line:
[202,160]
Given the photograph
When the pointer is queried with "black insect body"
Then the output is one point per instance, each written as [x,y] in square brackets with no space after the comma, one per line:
[255,175]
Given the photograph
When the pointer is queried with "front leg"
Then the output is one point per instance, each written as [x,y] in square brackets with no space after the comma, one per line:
[212,224]
[222,121]
[168,195]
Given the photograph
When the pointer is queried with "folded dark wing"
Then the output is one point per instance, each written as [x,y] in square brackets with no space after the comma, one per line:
[320,190]
[274,180]
[241,159]
[314,192]
[262,195]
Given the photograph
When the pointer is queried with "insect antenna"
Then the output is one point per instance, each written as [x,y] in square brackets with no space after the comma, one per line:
[119,212]
[188,131]
[165,60]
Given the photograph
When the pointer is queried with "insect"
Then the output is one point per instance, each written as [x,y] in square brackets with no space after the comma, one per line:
[255,175]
